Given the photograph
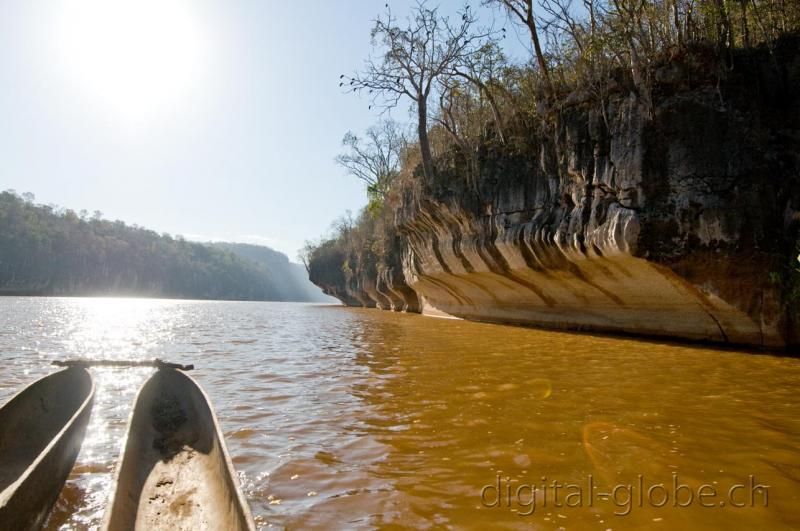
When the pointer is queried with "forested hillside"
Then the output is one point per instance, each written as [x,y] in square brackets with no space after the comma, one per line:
[45,250]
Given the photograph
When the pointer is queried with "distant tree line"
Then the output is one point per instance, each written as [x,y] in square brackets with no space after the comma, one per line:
[45,250]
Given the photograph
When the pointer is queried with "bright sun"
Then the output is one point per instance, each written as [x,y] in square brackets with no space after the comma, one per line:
[138,57]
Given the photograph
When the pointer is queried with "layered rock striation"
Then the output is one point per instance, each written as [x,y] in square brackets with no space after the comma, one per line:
[676,217]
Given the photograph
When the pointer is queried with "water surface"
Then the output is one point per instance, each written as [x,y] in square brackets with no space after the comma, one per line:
[340,418]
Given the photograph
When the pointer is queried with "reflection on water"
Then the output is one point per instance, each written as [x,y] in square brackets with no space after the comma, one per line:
[341,418]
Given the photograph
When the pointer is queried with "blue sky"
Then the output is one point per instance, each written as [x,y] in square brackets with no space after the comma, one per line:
[214,120]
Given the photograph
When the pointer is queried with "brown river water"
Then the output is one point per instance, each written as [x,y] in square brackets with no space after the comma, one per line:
[338,418]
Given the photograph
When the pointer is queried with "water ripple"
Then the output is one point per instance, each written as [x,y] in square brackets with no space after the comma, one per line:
[340,418]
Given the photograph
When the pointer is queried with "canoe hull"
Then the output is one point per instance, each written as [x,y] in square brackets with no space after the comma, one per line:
[175,472]
[43,427]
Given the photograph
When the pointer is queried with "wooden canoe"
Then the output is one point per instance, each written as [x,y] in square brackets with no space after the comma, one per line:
[175,472]
[41,431]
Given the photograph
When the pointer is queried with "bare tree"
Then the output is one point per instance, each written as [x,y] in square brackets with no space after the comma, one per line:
[343,226]
[413,57]
[461,117]
[306,252]
[629,14]
[723,24]
[561,18]
[376,158]
[481,69]
[524,12]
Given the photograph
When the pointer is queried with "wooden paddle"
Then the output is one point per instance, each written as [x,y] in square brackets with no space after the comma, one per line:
[86,362]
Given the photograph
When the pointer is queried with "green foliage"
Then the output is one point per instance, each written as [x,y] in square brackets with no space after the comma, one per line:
[346,270]
[376,198]
[785,276]
[47,251]
[793,282]
[375,160]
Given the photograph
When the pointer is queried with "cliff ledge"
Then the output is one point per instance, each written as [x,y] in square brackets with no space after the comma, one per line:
[677,218]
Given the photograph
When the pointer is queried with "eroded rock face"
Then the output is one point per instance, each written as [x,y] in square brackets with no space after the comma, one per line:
[664,226]
[670,220]
[355,275]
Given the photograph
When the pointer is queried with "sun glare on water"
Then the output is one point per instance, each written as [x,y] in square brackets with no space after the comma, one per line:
[140,58]
[120,328]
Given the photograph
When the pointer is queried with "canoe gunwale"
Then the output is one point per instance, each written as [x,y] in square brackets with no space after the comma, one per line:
[28,499]
[9,491]
[225,455]
[217,432]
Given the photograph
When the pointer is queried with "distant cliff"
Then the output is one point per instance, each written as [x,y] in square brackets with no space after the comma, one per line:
[291,280]
[675,217]
[50,251]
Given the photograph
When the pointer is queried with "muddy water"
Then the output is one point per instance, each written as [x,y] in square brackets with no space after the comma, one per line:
[339,418]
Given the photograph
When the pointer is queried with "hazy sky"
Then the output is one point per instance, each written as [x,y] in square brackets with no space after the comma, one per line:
[211,119]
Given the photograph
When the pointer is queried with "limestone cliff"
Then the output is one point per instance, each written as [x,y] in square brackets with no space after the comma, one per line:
[673,218]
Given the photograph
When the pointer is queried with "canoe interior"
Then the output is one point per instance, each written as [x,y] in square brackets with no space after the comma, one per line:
[175,472]
[41,431]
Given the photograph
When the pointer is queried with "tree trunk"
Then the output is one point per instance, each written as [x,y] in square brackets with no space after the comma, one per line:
[531,23]
[745,29]
[723,25]
[677,23]
[498,119]
[424,142]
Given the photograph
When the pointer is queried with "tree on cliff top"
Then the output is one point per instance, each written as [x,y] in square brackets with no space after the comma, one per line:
[413,58]
[523,11]
[374,159]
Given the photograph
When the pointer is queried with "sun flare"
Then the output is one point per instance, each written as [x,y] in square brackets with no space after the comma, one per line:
[140,58]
